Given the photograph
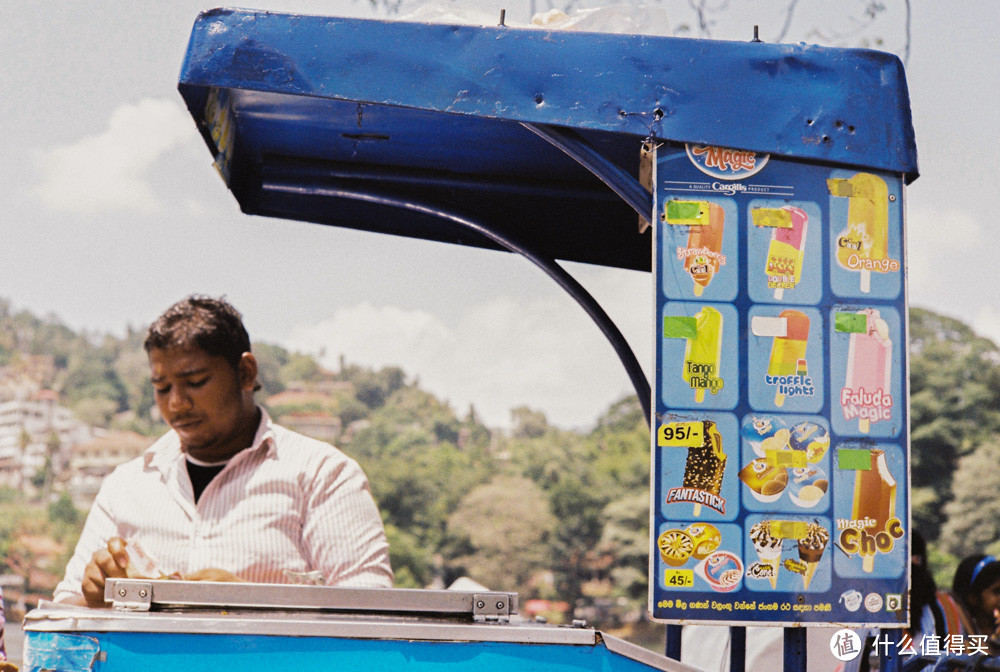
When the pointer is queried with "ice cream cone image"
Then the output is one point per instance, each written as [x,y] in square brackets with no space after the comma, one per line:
[773,563]
[811,548]
[768,549]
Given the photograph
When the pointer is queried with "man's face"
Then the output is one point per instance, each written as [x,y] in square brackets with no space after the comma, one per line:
[207,402]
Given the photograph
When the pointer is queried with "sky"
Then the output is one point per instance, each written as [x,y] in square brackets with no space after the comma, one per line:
[112,210]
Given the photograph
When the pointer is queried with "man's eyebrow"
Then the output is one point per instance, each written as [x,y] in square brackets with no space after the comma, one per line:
[182,374]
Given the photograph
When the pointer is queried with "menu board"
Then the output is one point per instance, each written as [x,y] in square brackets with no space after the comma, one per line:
[780,450]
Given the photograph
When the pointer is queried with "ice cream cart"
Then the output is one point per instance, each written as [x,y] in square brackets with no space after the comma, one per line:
[598,148]
[170,625]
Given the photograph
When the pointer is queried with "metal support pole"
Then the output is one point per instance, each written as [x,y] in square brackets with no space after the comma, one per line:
[673,649]
[889,656]
[795,650]
[737,649]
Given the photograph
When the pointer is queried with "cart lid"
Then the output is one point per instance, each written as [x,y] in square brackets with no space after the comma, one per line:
[305,113]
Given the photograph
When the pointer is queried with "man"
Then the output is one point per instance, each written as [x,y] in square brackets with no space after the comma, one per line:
[226,494]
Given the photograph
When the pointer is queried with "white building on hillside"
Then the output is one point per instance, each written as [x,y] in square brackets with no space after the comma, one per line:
[31,432]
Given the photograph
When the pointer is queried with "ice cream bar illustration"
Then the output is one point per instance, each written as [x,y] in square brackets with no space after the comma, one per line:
[869,361]
[706,464]
[703,353]
[866,236]
[875,499]
[788,243]
[789,350]
[703,255]
[811,549]
[768,548]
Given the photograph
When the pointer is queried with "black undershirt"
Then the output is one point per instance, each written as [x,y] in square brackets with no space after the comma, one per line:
[201,476]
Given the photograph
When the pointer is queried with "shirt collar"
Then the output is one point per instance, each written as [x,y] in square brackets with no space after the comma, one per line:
[167,450]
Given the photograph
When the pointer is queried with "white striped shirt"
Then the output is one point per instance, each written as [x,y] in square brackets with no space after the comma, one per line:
[288,502]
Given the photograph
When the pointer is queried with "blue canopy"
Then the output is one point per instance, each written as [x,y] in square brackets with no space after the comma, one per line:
[533,134]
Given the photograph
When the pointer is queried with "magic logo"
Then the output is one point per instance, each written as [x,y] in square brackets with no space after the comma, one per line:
[726,159]
[726,163]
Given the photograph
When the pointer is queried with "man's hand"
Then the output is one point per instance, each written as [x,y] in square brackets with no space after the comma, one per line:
[212,574]
[110,562]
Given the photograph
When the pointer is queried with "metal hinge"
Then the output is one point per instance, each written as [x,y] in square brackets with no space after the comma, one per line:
[491,607]
[128,595]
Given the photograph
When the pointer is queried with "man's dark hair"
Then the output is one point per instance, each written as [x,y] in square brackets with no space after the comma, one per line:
[212,325]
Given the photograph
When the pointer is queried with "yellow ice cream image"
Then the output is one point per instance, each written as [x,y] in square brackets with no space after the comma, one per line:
[864,245]
[703,353]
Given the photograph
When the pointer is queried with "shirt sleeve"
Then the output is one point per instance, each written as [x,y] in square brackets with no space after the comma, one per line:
[343,532]
[98,528]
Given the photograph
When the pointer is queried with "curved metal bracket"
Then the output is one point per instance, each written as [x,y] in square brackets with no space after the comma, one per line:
[619,181]
[549,266]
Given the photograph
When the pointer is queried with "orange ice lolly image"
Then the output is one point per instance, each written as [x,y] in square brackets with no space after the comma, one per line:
[706,225]
[875,498]
[788,243]
[703,353]
[706,464]
[867,233]
[869,361]
[706,240]
[788,352]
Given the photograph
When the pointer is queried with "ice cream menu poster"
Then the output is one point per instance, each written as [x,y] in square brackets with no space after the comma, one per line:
[780,442]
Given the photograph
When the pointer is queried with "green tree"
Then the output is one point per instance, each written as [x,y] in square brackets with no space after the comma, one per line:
[528,423]
[506,524]
[132,368]
[954,406]
[625,537]
[973,516]
[63,511]
[90,374]
[577,505]
[373,388]
[301,368]
[270,359]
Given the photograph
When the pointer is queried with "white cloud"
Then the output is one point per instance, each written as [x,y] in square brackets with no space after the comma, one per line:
[108,172]
[375,336]
[544,353]
[935,235]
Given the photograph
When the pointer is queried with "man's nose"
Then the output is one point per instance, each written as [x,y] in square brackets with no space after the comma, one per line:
[178,399]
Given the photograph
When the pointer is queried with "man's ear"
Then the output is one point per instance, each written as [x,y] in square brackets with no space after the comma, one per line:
[248,372]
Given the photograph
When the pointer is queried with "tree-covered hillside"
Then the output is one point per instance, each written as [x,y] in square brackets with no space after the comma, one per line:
[547,512]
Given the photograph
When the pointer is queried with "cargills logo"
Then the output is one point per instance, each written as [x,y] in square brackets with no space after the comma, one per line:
[726,164]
